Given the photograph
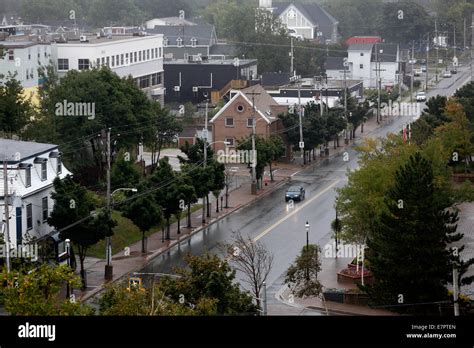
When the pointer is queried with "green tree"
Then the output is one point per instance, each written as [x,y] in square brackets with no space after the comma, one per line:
[302,275]
[73,204]
[276,148]
[124,173]
[37,292]
[16,110]
[408,251]
[145,214]
[208,276]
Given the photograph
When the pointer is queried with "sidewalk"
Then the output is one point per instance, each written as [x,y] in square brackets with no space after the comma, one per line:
[239,197]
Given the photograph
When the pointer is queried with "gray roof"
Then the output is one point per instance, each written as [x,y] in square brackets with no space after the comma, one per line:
[313,12]
[334,63]
[203,33]
[273,79]
[27,149]
[224,49]
[389,53]
[360,47]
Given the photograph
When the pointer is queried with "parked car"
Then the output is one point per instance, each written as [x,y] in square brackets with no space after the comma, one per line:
[423,68]
[417,72]
[454,71]
[421,97]
[447,74]
[295,193]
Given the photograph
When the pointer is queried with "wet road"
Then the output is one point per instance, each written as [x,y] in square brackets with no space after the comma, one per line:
[282,229]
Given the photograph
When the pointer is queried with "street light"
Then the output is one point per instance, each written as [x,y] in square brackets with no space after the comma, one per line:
[68,254]
[307,234]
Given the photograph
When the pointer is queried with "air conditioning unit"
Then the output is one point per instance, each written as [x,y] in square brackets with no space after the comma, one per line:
[195,89]
[177,88]
[83,38]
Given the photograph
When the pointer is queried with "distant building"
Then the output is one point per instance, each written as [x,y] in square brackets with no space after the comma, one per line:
[308,20]
[234,121]
[363,40]
[171,21]
[32,168]
[138,56]
[197,79]
[180,42]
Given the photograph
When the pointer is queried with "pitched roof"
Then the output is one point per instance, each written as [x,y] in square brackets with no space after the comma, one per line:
[26,149]
[360,47]
[386,52]
[313,12]
[363,40]
[264,102]
[334,63]
[204,33]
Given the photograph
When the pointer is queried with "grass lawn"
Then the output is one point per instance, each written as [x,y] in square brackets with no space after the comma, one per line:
[126,233]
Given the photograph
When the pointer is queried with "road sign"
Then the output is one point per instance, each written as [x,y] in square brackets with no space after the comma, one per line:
[301,144]
[204,133]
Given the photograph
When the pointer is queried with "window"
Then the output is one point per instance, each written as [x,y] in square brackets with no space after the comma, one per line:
[145,81]
[44,207]
[117,60]
[135,57]
[28,177]
[83,64]
[148,54]
[156,79]
[11,55]
[113,61]
[361,66]
[98,62]
[229,141]
[229,122]
[29,217]
[126,59]
[193,42]
[179,41]
[59,166]
[139,56]
[159,55]
[63,64]
[44,171]
[102,61]
[121,59]
[250,122]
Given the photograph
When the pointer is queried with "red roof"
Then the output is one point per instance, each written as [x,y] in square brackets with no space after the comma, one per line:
[363,40]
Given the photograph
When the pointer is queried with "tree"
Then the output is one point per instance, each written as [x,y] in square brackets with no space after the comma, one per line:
[73,204]
[302,275]
[37,292]
[145,214]
[253,260]
[408,250]
[124,173]
[15,109]
[207,276]
[118,300]
[276,151]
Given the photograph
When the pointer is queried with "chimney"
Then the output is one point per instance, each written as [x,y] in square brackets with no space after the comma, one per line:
[266,4]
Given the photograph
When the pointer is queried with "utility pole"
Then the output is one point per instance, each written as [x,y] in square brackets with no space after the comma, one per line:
[412,72]
[346,139]
[253,187]
[464,34]
[108,251]
[456,292]
[301,124]
[472,43]
[6,208]
[427,61]
[292,66]
[378,81]
[437,48]
[205,156]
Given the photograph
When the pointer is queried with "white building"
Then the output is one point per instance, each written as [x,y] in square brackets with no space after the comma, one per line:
[306,20]
[138,56]
[365,59]
[172,21]
[32,168]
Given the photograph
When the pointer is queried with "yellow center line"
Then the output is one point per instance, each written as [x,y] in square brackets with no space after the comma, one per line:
[269,229]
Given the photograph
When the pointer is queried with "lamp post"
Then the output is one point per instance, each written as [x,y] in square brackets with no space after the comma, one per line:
[307,234]
[68,255]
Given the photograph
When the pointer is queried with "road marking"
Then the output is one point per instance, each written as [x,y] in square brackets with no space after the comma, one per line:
[269,229]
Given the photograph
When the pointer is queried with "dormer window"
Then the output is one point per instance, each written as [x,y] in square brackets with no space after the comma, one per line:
[179,41]
[193,42]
